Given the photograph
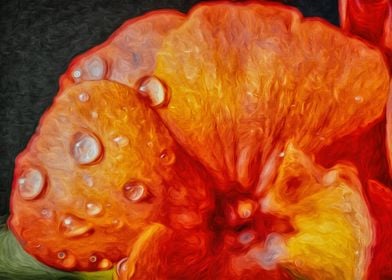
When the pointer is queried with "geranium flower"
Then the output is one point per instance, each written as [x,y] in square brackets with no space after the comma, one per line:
[213,146]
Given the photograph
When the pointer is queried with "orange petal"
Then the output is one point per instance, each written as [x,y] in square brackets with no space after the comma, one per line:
[244,79]
[94,174]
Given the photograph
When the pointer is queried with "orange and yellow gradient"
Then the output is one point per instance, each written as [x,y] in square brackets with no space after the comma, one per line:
[240,141]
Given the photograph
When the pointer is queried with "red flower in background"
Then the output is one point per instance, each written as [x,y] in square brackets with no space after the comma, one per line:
[237,142]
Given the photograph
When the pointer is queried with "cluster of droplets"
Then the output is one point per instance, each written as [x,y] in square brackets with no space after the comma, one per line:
[86,149]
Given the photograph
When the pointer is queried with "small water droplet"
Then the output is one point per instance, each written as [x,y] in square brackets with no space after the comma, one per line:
[93,209]
[76,74]
[88,180]
[121,141]
[155,90]
[84,97]
[122,266]
[46,213]
[31,184]
[134,191]
[61,255]
[167,157]
[93,259]
[86,148]
[282,154]
[246,237]
[358,99]
[72,226]
[105,264]
[94,115]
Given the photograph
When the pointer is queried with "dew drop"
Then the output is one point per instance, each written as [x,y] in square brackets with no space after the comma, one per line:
[93,209]
[93,258]
[167,157]
[72,226]
[155,90]
[83,97]
[86,148]
[88,180]
[31,184]
[105,264]
[94,115]
[282,154]
[61,255]
[246,237]
[46,213]
[121,141]
[134,191]
[76,74]
[96,68]
[358,99]
[122,266]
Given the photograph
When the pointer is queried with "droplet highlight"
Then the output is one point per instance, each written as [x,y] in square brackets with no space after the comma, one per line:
[86,148]
[167,157]
[84,97]
[93,259]
[93,209]
[358,99]
[134,191]
[122,267]
[31,184]
[121,141]
[76,74]
[72,226]
[153,88]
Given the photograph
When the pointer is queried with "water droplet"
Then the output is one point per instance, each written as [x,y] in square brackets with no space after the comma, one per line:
[88,180]
[96,68]
[358,99]
[122,266]
[134,191]
[94,115]
[61,255]
[93,259]
[155,90]
[86,148]
[105,264]
[245,209]
[72,226]
[121,141]
[76,74]
[330,177]
[31,184]
[246,237]
[167,157]
[282,154]
[84,97]
[93,209]
[46,213]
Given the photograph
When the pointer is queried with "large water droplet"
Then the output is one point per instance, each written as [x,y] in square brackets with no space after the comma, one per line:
[152,88]
[121,141]
[93,209]
[72,226]
[83,97]
[134,191]
[31,184]
[167,157]
[86,148]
